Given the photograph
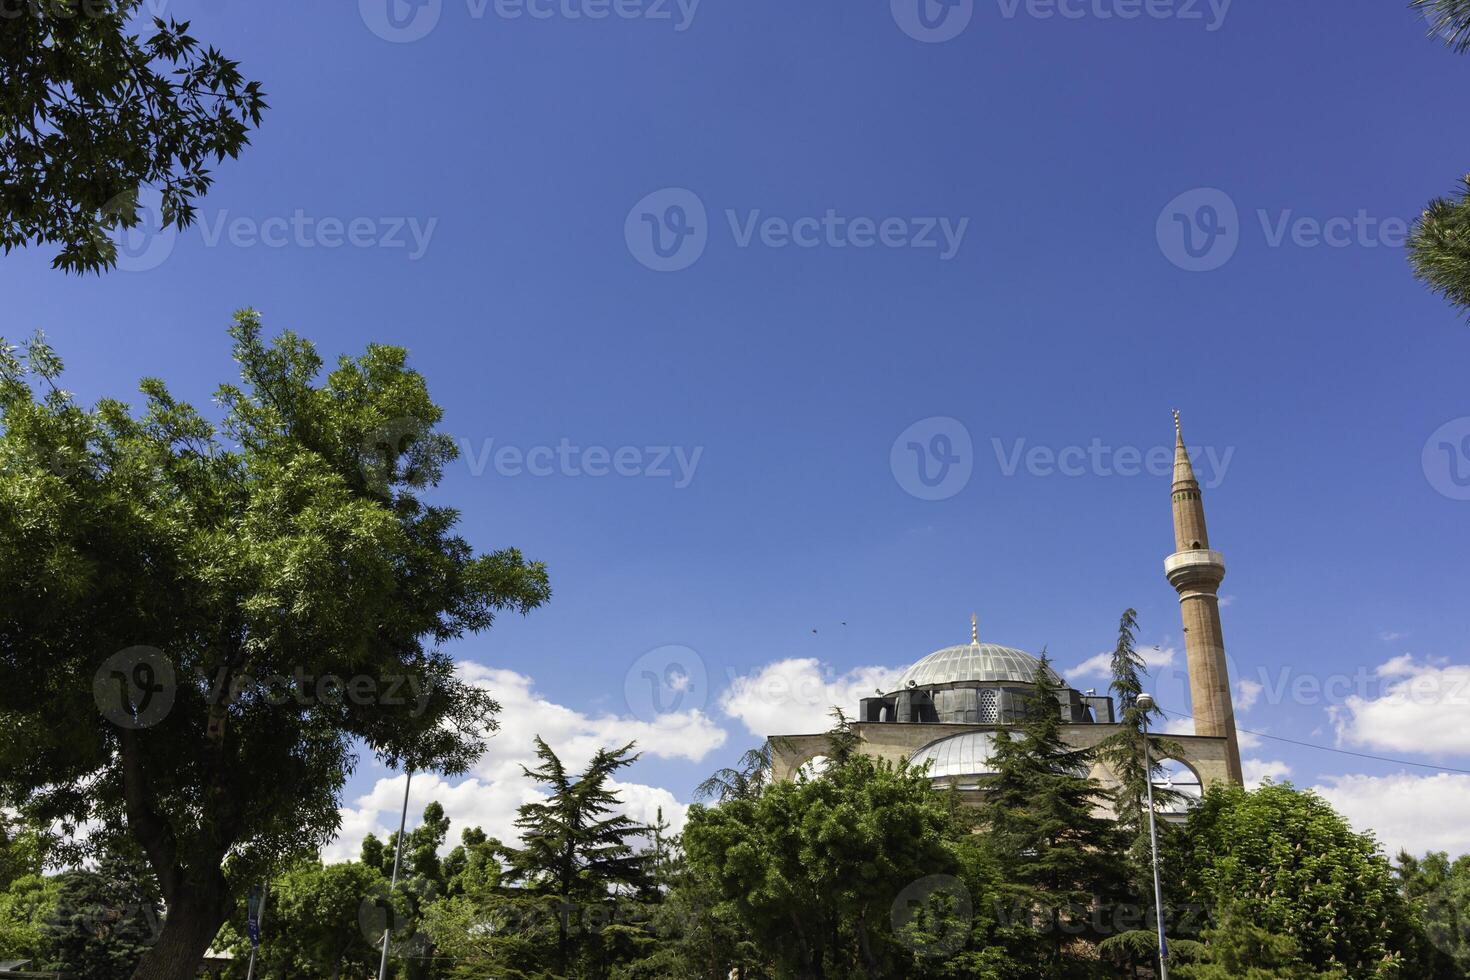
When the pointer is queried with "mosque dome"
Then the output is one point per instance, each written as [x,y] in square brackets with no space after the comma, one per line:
[974,662]
[958,755]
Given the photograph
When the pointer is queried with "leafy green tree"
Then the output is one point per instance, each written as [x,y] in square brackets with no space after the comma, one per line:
[1040,814]
[1438,890]
[815,868]
[105,920]
[90,112]
[314,924]
[292,581]
[1275,862]
[27,905]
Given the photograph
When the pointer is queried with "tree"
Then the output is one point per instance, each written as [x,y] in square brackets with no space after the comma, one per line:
[27,904]
[105,920]
[314,924]
[1123,753]
[1450,19]
[575,848]
[1440,244]
[744,781]
[1040,812]
[291,589]
[1275,862]
[90,112]
[816,871]
[1438,890]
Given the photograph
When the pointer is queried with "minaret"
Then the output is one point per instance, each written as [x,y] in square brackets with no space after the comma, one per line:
[1196,572]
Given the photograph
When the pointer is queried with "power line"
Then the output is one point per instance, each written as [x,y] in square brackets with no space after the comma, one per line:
[1328,748]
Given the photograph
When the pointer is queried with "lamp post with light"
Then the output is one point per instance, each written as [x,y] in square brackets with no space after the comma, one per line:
[1145,704]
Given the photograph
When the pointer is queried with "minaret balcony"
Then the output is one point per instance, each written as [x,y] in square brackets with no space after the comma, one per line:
[1202,568]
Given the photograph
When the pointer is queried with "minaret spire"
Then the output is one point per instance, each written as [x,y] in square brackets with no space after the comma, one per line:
[974,629]
[1196,571]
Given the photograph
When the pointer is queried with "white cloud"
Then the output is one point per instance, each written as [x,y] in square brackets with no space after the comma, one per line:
[1101,665]
[1422,709]
[1227,600]
[1247,693]
[1257,771]
[1388,636]
[1416,813]
[796,696]
[490,795]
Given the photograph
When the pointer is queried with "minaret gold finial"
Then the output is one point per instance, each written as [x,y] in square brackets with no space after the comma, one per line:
[1177,434]
[974,629]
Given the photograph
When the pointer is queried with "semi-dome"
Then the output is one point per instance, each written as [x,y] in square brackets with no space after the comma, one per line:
[958,755]
[974,662]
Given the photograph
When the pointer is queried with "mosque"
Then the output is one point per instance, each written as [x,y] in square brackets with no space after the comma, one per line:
[948,705]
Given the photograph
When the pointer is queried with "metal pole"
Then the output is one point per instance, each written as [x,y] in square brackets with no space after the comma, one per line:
[1153,839]
[265,892]
[393,882]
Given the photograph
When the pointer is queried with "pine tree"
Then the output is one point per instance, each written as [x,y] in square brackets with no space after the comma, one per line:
[1041,813]
[575,849]
[1123,755]
[105,920]
[1440,244]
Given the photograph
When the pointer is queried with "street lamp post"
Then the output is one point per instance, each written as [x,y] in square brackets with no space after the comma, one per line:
[1145,704]
[393,882]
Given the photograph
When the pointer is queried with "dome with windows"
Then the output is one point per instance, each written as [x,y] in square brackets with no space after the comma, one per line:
[974,663]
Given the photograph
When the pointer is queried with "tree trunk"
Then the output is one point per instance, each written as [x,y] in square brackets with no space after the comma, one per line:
[190,926]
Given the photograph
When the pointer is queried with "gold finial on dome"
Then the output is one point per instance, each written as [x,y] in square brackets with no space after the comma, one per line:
[974,629]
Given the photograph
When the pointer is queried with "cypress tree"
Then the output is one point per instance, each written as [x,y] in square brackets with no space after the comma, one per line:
[1042,814]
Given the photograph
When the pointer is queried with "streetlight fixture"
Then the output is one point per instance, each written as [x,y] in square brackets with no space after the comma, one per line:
[1145,704]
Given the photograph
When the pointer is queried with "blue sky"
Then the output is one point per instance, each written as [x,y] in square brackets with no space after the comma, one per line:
[1195,207]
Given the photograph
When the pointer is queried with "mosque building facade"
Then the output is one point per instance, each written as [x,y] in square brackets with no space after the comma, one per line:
[947,706]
